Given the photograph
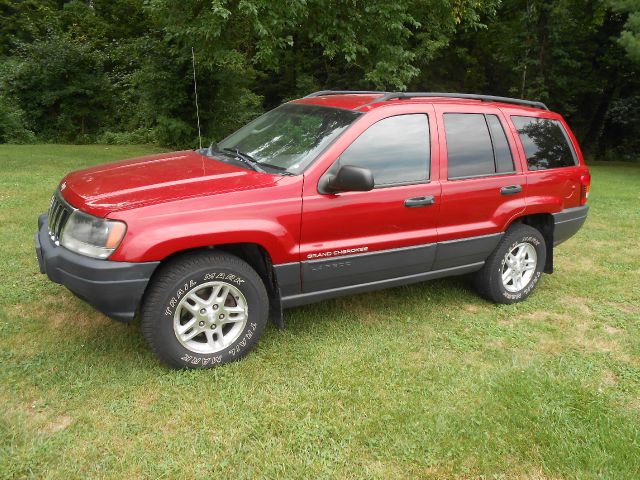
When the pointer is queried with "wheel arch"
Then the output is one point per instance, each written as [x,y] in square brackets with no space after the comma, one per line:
[543,222]
[258,258]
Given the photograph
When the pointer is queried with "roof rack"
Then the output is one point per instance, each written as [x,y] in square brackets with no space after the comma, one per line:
[346,92]
[471,96]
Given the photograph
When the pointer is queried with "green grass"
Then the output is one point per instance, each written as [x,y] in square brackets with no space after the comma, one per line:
[423,381]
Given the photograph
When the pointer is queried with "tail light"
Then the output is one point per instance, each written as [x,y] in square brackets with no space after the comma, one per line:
[585,180]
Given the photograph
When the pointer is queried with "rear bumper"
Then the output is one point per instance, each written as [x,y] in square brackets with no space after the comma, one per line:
[113,288]
[568,222]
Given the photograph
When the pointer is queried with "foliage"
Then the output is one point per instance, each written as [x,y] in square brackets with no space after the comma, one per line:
[139,136]
[630,36]
[563,53]
[13,123]
[63,86]
[624,118]
[86,69]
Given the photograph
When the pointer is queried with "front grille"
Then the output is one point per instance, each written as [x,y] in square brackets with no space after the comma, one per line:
[59,213]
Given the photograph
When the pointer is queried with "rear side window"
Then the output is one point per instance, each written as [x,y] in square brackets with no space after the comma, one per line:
[545,143]
[395,149]
[476,145]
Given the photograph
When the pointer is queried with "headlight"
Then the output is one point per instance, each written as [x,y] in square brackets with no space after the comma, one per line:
[92,236]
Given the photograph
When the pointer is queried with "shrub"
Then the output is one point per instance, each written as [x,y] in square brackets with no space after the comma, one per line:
[136,137]
[13,125]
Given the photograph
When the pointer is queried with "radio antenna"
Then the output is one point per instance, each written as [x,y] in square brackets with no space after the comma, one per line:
[195,89]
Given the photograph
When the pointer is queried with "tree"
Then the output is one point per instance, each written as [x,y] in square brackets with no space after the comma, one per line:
[120,70]
[62,84]
[559,52]
[630,35]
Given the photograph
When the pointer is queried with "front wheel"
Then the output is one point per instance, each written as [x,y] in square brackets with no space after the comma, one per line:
[514,268]
[204,309]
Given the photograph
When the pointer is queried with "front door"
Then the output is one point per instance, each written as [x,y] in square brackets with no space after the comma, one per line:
[356,238]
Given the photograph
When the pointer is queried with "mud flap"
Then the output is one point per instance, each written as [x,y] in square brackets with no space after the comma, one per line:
[275,310]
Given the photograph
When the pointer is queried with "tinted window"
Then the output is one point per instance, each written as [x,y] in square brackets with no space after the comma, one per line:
[468,144]
[395,149]
[545,143]
[504,161]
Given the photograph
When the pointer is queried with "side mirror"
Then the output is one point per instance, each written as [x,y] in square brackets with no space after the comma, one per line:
[348,179]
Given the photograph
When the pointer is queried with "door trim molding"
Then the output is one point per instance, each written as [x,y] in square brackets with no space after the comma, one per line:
[306,298]
[447,258]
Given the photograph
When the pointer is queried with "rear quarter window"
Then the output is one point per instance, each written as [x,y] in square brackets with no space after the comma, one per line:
[545,142]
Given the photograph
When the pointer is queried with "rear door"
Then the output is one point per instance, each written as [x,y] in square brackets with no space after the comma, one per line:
[356,238]
[554,168]
[483,183]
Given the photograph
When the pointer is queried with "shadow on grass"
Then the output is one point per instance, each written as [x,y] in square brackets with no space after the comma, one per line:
[430,297]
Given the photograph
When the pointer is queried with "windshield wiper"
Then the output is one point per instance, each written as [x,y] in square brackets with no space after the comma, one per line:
[280,170]
[246,159]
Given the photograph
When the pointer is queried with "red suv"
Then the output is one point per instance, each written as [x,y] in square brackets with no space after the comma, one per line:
[332,194]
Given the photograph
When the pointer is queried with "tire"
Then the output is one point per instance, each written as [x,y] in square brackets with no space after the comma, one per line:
[204,309]
[528,253]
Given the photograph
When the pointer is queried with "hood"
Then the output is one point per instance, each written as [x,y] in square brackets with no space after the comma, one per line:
[155,179]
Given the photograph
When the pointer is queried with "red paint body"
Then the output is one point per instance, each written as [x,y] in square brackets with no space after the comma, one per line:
[184,200]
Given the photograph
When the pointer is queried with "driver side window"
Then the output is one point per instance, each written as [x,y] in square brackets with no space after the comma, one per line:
[396,149]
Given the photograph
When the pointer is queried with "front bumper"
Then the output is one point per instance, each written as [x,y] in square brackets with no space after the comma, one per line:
[113,288]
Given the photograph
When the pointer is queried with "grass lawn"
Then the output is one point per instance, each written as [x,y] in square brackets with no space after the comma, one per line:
[423,381]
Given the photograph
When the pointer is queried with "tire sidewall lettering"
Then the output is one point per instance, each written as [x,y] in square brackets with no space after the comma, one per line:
[200,360]
[177,295]
[233,278]
[237,349]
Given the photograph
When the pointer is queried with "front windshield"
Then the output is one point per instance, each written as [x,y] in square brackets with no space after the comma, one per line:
[290,137]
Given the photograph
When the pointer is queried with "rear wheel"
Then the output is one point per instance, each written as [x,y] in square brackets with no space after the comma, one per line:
[514,268]
[204,309]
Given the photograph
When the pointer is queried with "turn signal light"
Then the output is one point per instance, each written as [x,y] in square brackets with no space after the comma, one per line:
[115,235]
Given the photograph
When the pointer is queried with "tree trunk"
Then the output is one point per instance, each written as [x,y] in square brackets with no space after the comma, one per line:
[593,133]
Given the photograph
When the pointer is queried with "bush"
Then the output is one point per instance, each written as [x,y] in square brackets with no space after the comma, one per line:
[62,85]
[13,123]
[623,122]
[140,136]
[173,131]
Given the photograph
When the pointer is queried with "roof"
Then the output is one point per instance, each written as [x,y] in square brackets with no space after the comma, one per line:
[368,100]
[349,101]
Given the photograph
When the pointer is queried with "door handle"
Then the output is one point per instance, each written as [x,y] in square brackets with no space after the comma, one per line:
[511,189]
[419,201]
